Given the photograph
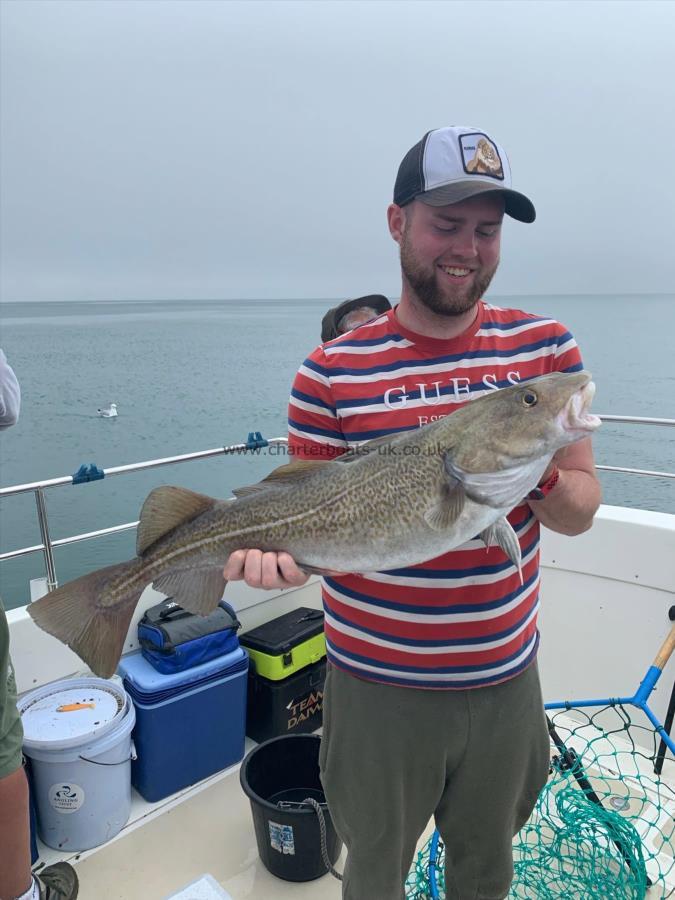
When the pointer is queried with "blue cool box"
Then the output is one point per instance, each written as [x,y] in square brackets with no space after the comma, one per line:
[189,724]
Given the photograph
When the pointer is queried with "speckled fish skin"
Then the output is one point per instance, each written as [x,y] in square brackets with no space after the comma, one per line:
[369,513]
[391,503]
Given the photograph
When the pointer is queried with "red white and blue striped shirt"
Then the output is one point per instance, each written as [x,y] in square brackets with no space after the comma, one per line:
[463,619]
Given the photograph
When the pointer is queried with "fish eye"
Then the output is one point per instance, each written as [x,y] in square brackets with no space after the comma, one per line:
[529,398]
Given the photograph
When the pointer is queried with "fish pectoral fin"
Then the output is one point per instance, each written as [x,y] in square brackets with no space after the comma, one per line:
[166,508]
[283,476]
[197,590]
[448,508]
[501,534]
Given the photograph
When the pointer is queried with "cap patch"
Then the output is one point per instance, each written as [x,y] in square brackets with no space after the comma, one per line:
[480,156]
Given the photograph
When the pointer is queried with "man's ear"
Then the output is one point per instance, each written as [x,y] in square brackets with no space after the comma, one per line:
[396,221]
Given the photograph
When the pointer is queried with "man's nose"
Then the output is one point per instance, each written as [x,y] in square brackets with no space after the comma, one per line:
[464,244]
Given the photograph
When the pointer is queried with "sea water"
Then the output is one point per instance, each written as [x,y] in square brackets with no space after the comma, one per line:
[195,375]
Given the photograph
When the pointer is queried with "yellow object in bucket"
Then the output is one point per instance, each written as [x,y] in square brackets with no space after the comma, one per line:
[72,707]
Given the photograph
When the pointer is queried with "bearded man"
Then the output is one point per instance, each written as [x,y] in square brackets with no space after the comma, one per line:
[433,705]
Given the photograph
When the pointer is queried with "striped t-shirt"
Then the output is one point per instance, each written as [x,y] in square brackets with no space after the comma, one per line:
[462,619]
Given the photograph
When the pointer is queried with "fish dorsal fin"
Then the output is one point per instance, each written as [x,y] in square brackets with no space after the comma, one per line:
[247,490]
[296,469]
[448,506]
[368,447]
[166,508]
[283,476]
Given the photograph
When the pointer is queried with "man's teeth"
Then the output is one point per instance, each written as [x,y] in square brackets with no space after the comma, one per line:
[455,270]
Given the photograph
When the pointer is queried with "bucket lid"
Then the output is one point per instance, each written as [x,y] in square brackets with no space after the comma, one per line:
[71,712]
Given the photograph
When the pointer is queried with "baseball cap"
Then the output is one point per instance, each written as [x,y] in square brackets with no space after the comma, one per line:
[331,321]
[456,162]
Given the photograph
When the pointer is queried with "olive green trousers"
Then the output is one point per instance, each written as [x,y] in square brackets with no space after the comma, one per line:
[11,732]
[393,757]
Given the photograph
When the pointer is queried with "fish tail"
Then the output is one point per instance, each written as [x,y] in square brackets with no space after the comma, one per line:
[83,615]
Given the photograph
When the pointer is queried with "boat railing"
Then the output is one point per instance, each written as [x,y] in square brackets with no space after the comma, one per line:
[254,444]
[91,472]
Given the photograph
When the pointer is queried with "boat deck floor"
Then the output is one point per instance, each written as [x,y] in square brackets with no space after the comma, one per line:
[165,846]
[208,829]
[211,832]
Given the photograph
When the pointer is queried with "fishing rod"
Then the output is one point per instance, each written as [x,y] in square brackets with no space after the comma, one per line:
[569,761]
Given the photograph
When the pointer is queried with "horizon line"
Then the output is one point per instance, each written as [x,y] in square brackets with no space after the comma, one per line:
[323,299]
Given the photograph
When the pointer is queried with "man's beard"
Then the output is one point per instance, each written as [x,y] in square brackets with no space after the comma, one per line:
[424,285]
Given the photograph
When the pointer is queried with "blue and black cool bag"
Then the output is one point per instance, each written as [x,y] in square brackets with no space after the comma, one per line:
[173,639]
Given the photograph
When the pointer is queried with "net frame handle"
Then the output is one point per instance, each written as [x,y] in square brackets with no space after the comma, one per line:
[666,650]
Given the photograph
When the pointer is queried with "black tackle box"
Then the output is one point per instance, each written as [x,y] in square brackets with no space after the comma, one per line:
[293,705]
[286,674]
[286,644]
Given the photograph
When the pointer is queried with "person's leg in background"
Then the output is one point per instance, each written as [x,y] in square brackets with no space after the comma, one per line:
[58,882]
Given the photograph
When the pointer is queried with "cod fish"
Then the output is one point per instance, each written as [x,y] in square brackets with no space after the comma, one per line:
[389,503]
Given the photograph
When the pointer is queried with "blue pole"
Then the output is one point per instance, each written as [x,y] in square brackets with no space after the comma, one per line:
[646,686]
[598,701]
[665,737]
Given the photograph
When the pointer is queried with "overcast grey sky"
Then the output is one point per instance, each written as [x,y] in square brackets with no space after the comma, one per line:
[195,149]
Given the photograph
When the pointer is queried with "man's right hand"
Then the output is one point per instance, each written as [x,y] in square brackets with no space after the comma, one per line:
[270,571]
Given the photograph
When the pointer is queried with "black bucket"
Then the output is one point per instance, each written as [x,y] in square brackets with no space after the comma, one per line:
[285,770]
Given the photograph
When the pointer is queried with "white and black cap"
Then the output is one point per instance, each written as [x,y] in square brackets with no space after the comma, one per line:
[456,162]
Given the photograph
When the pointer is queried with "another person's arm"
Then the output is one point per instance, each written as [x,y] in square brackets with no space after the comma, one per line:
[10,394]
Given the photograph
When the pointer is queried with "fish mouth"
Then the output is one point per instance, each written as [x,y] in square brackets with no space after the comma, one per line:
[576,415]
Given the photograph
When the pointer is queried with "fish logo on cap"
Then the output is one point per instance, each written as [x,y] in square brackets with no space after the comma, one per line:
[480,156]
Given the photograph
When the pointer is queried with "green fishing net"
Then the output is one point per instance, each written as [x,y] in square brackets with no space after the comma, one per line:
[603,826]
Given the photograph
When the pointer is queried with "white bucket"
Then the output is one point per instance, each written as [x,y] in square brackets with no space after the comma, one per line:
[77,734]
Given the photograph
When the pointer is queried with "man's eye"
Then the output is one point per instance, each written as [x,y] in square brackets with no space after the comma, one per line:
[491,232]
[447,230]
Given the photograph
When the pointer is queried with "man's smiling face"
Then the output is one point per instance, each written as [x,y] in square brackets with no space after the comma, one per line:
[450,253]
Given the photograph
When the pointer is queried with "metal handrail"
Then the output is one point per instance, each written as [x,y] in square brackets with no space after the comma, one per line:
[636,471]
[137,467]
[637,420]
[74,539]
[48,545]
